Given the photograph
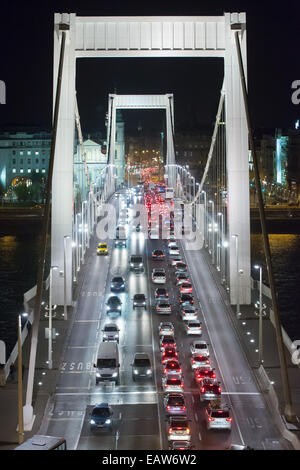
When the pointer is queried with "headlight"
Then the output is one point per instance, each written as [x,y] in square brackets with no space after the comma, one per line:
[97,374]
[105,336]
[141,264]
[116,336]
[115,374]
[119,307]
[148,371]
[131,264]
[135,371]
[92,421]
[108,421]
[134,303]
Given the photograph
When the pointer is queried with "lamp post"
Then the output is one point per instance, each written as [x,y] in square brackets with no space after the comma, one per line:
[260,339]
[205,216]
[53,268]
[66,237]
[220,240]
[83,231]
[225,245]
[236,237]
[20,382]
[213,229]
[77,243]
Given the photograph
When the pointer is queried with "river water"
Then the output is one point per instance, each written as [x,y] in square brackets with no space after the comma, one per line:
[18,273]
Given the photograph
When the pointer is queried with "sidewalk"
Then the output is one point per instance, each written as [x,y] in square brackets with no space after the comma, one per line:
[44,380]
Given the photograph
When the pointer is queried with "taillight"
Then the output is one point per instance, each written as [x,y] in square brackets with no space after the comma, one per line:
[181,385]
[228,419]
[168,407]
[202,389]
[188,430]
[211,419]
[193,361]
[170,430]
[219,389]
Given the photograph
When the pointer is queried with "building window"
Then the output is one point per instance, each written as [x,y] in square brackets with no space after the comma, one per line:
[14,152]
[43,170]
[28,161]
[36,160]
[21,170]
[14,161]
[43,160]
[37,170]
[21,152]
[21,161]
[28,152]
[29,170]
[36,153]
[14,170]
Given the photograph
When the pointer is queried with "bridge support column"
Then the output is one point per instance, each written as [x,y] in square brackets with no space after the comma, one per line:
[62,186]
[237,168]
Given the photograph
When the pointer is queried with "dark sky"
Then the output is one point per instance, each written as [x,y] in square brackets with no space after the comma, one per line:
[26,42]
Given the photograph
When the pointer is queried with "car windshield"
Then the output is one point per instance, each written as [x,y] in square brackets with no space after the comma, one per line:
[106,363]
[111,328]
[173,382]
[176,423]
[136,259]
[194,325]
[176,401]
[164,305]
[101,412]
[117,279]
[142,362]
[114,300]
[159,273]
[220,414]
[200,346]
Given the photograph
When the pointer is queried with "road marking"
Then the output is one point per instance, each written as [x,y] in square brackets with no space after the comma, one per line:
[200,437]
[241,393]
[196,417]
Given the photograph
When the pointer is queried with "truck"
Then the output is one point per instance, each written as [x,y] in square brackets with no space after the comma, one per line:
[169,193]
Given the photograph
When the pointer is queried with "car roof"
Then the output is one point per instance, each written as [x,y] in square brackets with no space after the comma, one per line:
[142,355]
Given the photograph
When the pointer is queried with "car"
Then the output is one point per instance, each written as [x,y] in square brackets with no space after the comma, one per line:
[180,267]
[139,300]
[113,305]
[186,288]
[102,249]
[158,255]
[141,366]
[175,259]
[199,360]
[181,277]
[166,328]
[174,250]
[199,347]
[193,327]
[174,404]
[101,416]
[188,312]
[204,372]
[180,445]
[186,298]
[178,429]
[172,245]
[163,307]
[172,367]
[167,341]
[120,243]
[161,293]
[218,418]
[239,446]
[159,276]
[172,383]
[209,389]
[117,284]
[169,353]
[110,332]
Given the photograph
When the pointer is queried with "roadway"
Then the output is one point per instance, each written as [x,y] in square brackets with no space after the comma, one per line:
[139,418]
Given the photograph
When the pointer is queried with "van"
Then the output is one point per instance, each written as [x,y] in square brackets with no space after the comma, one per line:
[107,367]
[136,263]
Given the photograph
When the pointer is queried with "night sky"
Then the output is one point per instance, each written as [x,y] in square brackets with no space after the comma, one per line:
[26,65]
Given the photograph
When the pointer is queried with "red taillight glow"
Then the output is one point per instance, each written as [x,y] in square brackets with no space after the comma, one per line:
[170,430]
[228,419]
[188,430]
[202,389]
[211,419]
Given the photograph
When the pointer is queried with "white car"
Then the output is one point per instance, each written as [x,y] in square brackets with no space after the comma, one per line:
[175,259]
[178,429]
[163,306]
[199,361]
[188,313]
[159,276]
[166,328]
[172,245]
[172,383]
[193,327]
[174,251]
[199,347]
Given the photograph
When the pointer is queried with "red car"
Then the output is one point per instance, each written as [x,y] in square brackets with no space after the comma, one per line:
[186,288]
[167,341]
[169,353]
[203,373]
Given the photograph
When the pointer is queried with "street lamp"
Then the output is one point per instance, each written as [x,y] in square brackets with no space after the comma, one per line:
[260,339]
[205,216]
[225,245]
[20,381]
[77,242]
[220,241]
[53,268]
[238,313]
[83,237]
[213,230]
[66,237]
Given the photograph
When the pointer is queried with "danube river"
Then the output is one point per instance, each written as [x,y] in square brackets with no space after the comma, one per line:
[18,271]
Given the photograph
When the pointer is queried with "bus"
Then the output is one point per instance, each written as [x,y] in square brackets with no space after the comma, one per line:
[38,442]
